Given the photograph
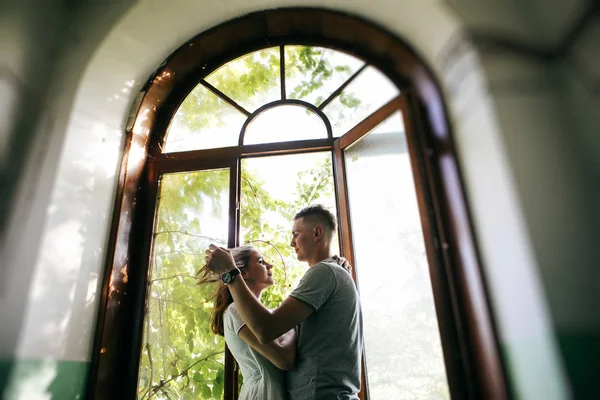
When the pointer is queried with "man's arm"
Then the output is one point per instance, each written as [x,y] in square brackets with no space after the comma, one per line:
[267,325]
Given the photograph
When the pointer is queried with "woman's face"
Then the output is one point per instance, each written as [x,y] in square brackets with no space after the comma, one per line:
[259,273]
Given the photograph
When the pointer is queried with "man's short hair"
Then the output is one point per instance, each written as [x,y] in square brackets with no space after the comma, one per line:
[319,213]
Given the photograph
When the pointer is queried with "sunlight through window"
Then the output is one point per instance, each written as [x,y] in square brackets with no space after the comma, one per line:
[285,123]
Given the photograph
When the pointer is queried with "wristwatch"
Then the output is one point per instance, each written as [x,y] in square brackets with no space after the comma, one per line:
[228,277]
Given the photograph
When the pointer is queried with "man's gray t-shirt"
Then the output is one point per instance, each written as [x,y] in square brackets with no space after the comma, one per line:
[330,340]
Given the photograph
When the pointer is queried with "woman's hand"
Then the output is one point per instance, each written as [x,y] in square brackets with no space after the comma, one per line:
[344,263]
[219,259]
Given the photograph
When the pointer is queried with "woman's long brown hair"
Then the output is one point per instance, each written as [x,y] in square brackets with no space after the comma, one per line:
[222,296]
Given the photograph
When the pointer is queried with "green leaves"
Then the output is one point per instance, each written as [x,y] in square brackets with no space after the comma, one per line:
[206,392]
[177,325]
[219,379]
[349,100]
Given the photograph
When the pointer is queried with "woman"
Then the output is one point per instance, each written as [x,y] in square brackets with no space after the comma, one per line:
[261,364]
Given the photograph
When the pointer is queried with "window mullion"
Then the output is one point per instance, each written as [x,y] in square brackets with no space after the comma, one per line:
[225,97]
[342,87]
[282,71]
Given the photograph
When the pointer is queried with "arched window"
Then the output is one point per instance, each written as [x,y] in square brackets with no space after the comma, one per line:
[278,94]
[235,146]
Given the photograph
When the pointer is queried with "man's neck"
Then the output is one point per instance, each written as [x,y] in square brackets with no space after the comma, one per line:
[319,255]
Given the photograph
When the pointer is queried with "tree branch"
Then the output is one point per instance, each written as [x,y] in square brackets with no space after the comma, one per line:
[256,201]
[147,317]
[178,251]
[173,301]
[196,235]
[150,360]
[173,276]
[250,184]
[185,371]
[316,187]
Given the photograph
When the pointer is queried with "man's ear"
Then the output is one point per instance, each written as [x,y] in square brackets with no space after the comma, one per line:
[318,233]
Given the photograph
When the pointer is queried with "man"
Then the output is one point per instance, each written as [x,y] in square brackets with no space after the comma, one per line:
[325,306]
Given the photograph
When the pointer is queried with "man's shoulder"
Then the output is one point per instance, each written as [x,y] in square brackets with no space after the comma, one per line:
[333,266]
[329,270]
[327,263]
[324,269]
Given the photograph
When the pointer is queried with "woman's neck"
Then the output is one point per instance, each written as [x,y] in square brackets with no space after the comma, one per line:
[255,291]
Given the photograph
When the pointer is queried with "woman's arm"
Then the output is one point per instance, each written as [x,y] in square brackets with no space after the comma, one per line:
[281,351]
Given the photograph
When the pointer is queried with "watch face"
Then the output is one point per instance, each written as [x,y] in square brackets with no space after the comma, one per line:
[226,277]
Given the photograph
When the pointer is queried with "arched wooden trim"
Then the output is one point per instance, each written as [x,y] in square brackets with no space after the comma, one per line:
[473,361]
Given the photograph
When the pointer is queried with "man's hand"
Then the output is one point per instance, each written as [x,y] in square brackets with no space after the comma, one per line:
[219,259]
[344,263]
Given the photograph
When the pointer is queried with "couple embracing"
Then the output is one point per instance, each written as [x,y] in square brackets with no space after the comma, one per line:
[309,347]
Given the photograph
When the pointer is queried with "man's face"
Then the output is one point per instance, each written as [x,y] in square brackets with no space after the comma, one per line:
[302,235]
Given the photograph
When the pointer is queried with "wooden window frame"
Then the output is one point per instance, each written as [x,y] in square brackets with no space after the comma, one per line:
[474,365]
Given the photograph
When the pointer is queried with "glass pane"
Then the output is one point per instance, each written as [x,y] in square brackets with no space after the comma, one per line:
[251,80]
[314,73]
[180,357]
[203,121]
[285,123]
[363,96]
[273,190]
[402,342]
